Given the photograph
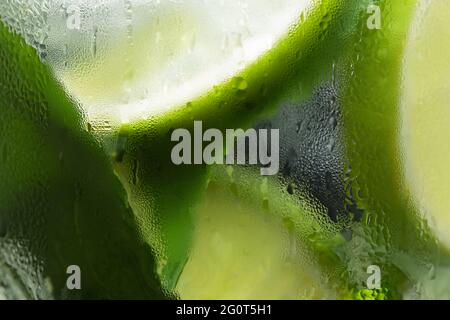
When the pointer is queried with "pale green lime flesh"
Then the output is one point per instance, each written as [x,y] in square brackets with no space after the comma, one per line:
[239,254]
[245,248]
[425,115]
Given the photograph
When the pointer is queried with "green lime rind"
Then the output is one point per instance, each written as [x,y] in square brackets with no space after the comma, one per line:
[392,234]
[60,202]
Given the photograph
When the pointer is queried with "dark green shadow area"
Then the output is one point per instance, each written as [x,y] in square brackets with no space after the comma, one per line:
[60,202]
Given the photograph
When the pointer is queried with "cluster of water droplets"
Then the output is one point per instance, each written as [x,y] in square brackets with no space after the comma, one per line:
[128,60]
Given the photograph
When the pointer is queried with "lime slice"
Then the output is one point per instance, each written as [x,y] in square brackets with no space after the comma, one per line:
[128,60]
[125,61]
[252,240]
[425,115]
[61,204]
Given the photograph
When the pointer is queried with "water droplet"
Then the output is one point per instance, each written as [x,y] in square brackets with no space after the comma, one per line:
[298,126]
[240,84]
[331,144]
[347,234]
[94,42]
[291,188]
[119,152]
[66,55]
[302,17]
[134,178]
[333,122]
